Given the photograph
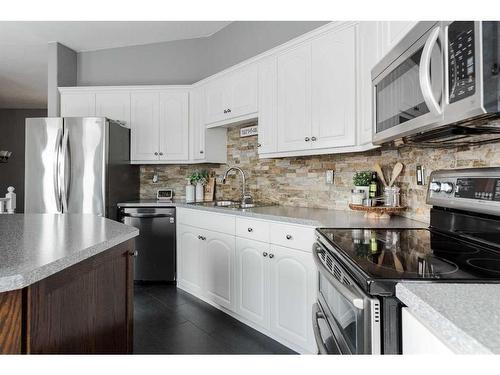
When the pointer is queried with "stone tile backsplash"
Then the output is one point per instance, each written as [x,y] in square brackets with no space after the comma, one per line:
[300,181]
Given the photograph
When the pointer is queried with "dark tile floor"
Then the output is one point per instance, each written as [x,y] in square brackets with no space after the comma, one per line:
[170,321]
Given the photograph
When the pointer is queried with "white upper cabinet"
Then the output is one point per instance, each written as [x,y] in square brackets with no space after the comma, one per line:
[160,126]
[267,105]
[78,104]
[294,99]
[114,105]
[393,32]
[369,53]
[174,126]
[145,126]
[334,89]
[232,97]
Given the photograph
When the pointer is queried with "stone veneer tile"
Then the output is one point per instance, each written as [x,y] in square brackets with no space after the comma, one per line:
[300,181]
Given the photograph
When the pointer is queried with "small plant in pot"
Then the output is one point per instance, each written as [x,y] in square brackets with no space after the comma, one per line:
[362,181]
[200,179]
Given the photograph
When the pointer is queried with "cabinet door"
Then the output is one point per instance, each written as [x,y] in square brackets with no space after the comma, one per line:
[113,105]
[197,127]
[252,281]
[218,268]
[369,53]
[189,269]
[393,32]
[334,89]
[294,99]
[216,100]
[78,104]
[144,125]
[267,105]
[292,295]
[418,339]
[243,91]
[174,123]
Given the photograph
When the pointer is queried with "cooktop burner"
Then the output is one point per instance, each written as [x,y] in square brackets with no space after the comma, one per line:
[412,254]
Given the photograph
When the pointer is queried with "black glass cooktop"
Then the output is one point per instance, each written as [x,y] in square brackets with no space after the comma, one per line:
[414,254]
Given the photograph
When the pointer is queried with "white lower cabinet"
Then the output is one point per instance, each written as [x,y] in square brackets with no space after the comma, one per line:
[291,295]
[252,281]
[418,339]
[218,268]
[189,249]
[270,287]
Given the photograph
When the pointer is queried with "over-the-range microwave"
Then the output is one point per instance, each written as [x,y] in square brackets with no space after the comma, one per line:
[439,86]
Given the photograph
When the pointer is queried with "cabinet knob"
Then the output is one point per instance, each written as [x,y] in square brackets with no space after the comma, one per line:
[133,253]
[225,111]
[307,139]
[259,145]
[250,229]
[201,151]
[313,139]
[229,111]
[264,254]
[161,153]
[200,237]
[156,153]
[288,236]
[271,256]
[203,238]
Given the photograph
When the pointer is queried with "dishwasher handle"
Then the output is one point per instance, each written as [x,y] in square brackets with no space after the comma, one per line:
[146,216]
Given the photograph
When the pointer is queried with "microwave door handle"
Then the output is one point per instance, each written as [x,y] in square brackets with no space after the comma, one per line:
[424,73]
[354,299]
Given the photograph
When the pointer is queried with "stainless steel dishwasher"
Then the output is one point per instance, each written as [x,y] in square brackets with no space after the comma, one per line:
[155,245]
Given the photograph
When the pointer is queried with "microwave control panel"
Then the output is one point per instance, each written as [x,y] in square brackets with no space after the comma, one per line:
[461,60]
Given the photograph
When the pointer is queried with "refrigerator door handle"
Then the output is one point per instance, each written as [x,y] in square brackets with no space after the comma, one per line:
[65,172]
[57,190]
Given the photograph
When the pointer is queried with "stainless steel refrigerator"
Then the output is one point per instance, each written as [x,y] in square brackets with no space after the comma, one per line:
[78,165]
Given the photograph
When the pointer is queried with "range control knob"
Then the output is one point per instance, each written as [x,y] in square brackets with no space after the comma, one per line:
[435,187]
[447,187]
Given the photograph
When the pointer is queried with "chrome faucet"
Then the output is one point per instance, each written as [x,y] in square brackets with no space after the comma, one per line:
[246,199]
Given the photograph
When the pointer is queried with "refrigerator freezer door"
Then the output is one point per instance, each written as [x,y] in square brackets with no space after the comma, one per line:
[85,160]
[41,183]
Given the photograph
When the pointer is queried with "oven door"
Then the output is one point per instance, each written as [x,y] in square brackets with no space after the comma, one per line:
[350,317]
[408,91]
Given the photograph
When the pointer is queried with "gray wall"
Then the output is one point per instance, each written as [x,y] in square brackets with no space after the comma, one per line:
[12,128]
[61,72]
[186,61]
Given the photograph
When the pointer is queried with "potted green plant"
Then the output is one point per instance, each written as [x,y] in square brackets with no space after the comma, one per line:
[199,179]
[361,181]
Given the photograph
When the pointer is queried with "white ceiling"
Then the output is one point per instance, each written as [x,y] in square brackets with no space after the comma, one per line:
[23,48]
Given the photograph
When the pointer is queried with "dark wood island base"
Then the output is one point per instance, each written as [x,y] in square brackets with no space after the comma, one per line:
[86,308]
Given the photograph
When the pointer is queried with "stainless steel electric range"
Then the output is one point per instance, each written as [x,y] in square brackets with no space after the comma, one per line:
[357,311]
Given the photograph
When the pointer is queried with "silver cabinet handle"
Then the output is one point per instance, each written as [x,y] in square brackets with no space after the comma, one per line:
[156,153]
[288,236]
[264,254]
[250,229]
[134,253]
[203,238]
[271,256]
[307,139]
[313,139]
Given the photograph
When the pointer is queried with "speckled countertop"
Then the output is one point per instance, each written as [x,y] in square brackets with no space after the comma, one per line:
[465,317]
[35,246]
[317,217]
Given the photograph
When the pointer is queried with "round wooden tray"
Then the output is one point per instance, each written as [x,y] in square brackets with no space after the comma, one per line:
[377,212]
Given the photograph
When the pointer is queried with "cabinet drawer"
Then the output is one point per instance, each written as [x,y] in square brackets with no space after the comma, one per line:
[252,229]
[292,236]
[206,220]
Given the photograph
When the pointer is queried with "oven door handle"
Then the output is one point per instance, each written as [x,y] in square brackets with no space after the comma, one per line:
[355,300]
[424,73]
[316,315]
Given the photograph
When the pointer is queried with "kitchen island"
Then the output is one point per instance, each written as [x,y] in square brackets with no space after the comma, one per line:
[66,284]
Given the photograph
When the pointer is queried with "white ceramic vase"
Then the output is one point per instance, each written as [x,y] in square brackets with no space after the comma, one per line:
[190,193]
[199,192]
